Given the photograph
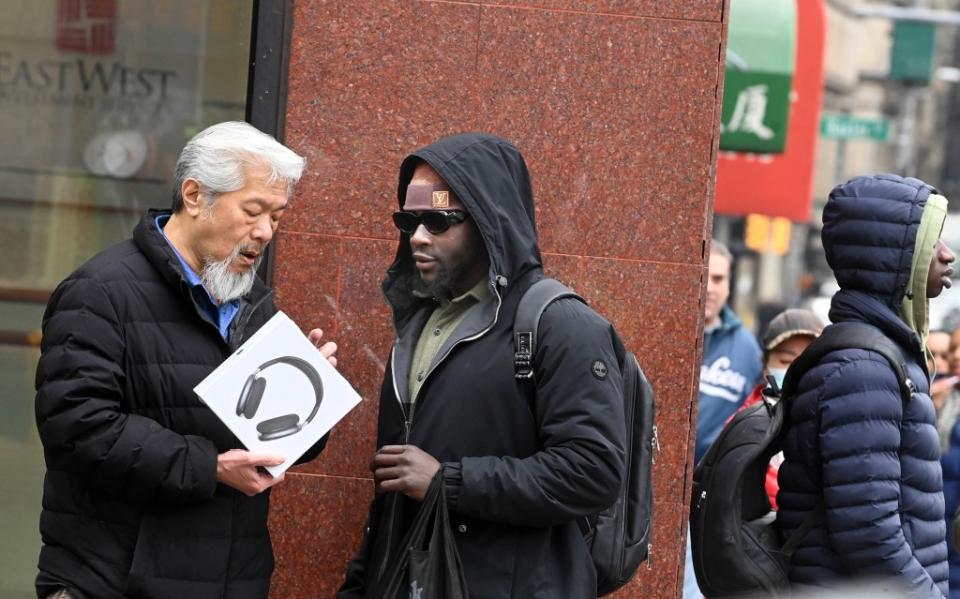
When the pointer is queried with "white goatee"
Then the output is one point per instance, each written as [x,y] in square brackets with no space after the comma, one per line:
[225,285]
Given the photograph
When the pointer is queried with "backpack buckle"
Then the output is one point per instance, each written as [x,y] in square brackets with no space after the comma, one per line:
[523,356]
[772,389]
[911,386]
[771,393]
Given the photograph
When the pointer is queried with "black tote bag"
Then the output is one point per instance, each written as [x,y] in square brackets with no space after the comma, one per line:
[427,566]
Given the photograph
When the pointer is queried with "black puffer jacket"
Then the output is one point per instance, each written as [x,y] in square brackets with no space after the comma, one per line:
[518,470]
[131,505]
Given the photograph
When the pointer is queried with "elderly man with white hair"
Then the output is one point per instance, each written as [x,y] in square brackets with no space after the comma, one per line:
[147,493]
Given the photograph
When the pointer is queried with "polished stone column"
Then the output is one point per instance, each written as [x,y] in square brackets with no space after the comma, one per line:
[615,105]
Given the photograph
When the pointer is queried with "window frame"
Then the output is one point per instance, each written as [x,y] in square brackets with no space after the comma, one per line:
[267,82]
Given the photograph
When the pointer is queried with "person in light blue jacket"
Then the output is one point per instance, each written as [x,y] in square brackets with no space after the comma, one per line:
[732,361]
[732,364]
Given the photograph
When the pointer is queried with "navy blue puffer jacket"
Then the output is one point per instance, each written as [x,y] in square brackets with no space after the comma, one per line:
[853,448]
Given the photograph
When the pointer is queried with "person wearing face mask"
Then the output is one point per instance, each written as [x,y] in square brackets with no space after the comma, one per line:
[787,335]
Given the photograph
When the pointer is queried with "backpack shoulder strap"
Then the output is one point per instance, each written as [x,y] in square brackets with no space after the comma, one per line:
[527,320]
[814,519]
[849,335]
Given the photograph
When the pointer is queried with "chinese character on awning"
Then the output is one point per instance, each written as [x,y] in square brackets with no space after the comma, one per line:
[761,43]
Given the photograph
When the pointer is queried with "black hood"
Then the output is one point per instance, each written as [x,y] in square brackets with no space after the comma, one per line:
[490,177]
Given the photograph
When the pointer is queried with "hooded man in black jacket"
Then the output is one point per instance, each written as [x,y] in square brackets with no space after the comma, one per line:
[520,465]
[147,493]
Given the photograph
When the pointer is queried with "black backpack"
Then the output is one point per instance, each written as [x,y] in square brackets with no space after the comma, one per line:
[619,537]
[736,548]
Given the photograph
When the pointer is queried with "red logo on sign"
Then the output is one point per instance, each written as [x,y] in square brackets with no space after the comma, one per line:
[88,26]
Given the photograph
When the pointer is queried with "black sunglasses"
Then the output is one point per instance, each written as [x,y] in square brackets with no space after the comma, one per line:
[435,221]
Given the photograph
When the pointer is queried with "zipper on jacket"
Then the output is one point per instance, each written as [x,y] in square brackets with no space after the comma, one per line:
[703,497]
[654,445]
[654,450]
[391,507]
[407,425]
[407,415]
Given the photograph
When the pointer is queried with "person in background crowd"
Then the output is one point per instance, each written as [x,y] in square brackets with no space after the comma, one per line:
[731,366]
[950,462]
[938,364]
[938,353]
[861,464]
[732,362]
[944,389]
[787,335]
[147,493]
[955,353]
[947,422]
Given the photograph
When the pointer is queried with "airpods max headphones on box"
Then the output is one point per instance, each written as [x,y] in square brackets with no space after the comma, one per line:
[252,393]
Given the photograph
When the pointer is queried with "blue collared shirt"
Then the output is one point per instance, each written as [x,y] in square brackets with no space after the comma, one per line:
[222,314]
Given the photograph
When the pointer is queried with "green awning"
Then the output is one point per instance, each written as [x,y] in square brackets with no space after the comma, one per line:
[761,46]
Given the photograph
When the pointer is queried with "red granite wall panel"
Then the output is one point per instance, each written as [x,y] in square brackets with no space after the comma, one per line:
[600,163]
[705,10]
[369,81]
[363,334]
[315,524]
[564,268]
[613,102]
[702,10]
[658,576]
[309,267]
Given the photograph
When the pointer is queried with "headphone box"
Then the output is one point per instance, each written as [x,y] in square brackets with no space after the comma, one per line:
[277,393]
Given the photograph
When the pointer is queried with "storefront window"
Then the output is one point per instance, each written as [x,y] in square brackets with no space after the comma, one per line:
[97,97]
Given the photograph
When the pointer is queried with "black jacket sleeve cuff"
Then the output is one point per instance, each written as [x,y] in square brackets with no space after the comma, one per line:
[452,479]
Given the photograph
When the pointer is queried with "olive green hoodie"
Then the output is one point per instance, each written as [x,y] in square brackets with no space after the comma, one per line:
[915,307]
